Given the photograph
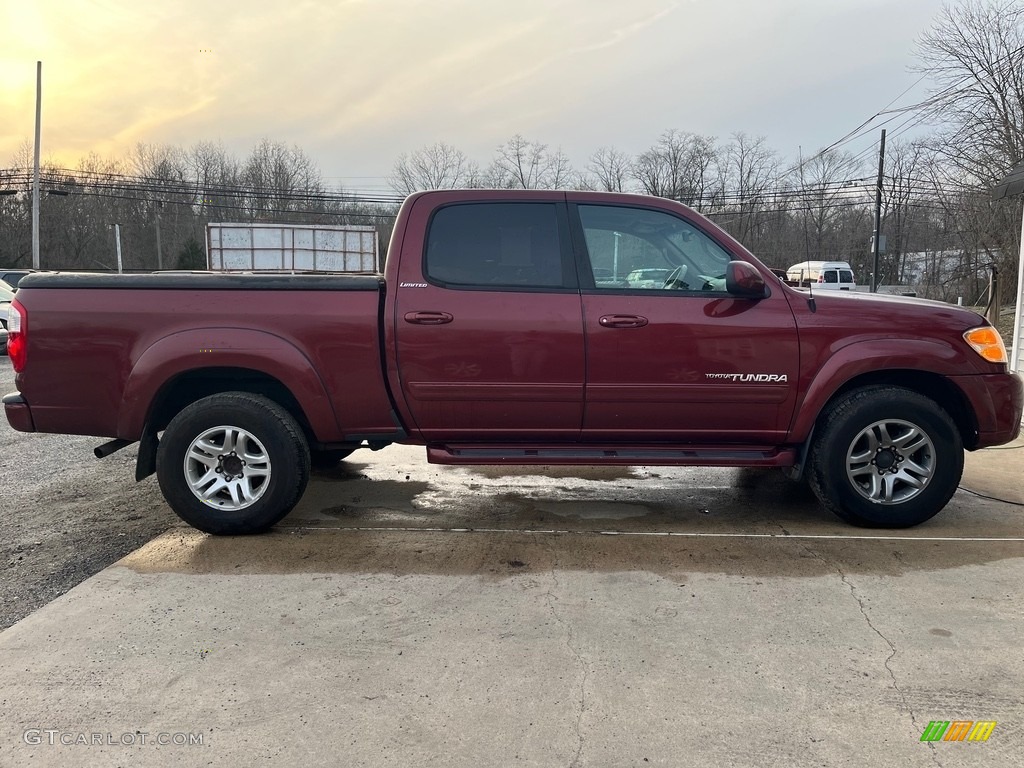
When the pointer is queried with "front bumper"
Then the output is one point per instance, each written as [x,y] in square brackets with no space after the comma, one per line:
[998,401]
[18,413]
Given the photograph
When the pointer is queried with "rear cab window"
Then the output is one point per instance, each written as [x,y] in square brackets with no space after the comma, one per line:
[494,245]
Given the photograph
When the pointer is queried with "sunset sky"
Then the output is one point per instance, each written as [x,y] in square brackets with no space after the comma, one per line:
[356,82]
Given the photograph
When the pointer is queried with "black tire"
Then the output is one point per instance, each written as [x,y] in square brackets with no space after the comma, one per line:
[266,435]
[910,476]
[329,459]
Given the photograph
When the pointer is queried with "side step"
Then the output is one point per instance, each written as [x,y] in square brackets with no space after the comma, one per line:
[631,455]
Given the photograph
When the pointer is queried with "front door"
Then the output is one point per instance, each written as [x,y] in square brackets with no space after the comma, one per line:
[671,356]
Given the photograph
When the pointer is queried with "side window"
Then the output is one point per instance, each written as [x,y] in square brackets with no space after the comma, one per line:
[494,245]
[831,276]
[642,249]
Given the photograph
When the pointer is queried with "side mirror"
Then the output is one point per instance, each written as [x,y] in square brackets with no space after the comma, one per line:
[743,281]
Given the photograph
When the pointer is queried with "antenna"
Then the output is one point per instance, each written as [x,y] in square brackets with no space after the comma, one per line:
[810,293]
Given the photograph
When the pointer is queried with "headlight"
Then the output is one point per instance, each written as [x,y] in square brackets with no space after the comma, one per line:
[987,342]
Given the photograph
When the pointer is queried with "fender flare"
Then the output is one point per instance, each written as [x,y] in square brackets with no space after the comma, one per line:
[196,349]
[927,356]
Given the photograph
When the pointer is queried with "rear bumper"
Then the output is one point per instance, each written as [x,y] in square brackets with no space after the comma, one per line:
[18,413]
[998,400]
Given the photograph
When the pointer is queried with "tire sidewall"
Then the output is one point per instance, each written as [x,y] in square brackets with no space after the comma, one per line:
[261,418]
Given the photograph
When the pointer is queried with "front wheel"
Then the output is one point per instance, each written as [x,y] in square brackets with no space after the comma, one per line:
[232,463]
[885,457]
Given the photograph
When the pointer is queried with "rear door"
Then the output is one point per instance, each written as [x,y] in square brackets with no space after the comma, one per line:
[488,322]
[681,360]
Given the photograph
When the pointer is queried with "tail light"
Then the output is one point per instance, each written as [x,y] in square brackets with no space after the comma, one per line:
[821,278]
[17,330]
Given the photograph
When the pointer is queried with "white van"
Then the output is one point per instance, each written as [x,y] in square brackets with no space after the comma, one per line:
[827,275]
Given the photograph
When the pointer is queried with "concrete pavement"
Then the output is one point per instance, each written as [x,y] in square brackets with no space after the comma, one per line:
[413,615]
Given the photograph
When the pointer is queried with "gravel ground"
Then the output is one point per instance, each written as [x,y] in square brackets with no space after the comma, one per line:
[64,514]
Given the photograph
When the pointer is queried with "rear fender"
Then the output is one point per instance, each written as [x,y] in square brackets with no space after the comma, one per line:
[225,347]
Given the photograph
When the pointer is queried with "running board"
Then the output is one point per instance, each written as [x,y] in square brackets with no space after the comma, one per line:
[634,455]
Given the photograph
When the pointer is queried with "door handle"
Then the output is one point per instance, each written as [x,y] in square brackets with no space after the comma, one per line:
[428,318]
[623,321]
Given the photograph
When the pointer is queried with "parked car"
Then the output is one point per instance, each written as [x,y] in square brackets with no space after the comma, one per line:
[647,278]
[3,341]
[827,275]
[13,276]
[6,297]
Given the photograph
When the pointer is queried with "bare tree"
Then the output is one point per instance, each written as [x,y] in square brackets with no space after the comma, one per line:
[611,169]
[436,166]
[280,179]
[975,54]
[826,190]
[525,164]
[680,166]
[748,171]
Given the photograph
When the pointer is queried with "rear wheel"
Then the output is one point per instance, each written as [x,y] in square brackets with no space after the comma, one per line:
[232,463]
[885,457]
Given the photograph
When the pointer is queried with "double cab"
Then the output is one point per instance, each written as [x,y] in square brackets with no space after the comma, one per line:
[496,336]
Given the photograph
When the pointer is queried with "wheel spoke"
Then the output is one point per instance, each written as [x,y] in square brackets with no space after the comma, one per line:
[862,458]
[208,477]
[910,442]
[911,480]
[208,447]
[218,485]
[865,469]
[876,486]
[883,434]
[197,453]
[890,484]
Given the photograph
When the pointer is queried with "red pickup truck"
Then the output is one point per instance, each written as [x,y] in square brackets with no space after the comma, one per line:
[511,327]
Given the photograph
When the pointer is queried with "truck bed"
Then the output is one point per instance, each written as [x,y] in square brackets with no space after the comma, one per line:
[99,342]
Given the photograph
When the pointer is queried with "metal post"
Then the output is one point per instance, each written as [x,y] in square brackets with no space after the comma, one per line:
[878,216]
[159,252]
[615,257]
[35,169]
[994,309]
[1017,354]
[117,239]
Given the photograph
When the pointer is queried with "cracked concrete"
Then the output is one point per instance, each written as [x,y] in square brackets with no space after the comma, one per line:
[580,661]
[864,612]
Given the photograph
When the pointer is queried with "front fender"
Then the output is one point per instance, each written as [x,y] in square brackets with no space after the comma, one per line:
[196,349]
[872,356]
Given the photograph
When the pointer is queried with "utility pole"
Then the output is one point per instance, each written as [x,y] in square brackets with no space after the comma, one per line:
[35,168]
[878,216]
